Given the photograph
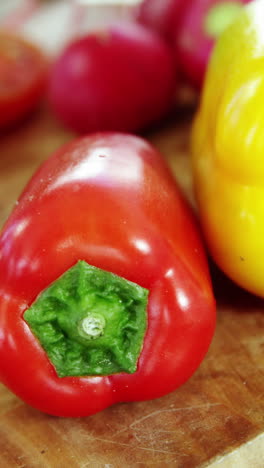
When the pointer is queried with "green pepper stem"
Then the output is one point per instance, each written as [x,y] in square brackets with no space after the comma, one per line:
[92,326]
[220,16]
[90,322]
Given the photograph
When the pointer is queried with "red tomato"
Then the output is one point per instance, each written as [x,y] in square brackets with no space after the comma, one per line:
[109,200]
[200,26]
[23,73]
[121,79]
[161,15]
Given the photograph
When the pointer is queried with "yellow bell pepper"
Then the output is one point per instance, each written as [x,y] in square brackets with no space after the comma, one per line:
[228,151]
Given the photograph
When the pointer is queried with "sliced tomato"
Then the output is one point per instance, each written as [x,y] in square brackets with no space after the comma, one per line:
[23,73]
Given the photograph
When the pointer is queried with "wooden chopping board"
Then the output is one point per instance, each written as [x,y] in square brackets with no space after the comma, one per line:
[216,419]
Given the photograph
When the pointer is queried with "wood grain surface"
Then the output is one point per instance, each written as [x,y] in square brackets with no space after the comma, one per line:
[216,419]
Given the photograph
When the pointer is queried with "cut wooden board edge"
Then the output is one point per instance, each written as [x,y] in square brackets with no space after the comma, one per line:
[249,455]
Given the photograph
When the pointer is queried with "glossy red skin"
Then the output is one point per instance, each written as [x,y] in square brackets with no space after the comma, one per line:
[192,44]
[162,16]
[25,68]
[121,79]
[108,199]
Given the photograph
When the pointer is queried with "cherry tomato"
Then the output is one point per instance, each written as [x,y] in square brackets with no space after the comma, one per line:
[161,15]
[23,75]
[121,79]
[200,26]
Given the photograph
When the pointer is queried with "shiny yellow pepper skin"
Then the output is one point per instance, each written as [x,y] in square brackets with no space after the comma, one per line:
[228,151]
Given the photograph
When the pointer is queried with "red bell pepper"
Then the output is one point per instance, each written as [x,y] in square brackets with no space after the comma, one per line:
[105,293]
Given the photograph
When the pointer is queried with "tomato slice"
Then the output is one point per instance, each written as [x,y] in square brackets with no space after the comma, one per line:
[23,73]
